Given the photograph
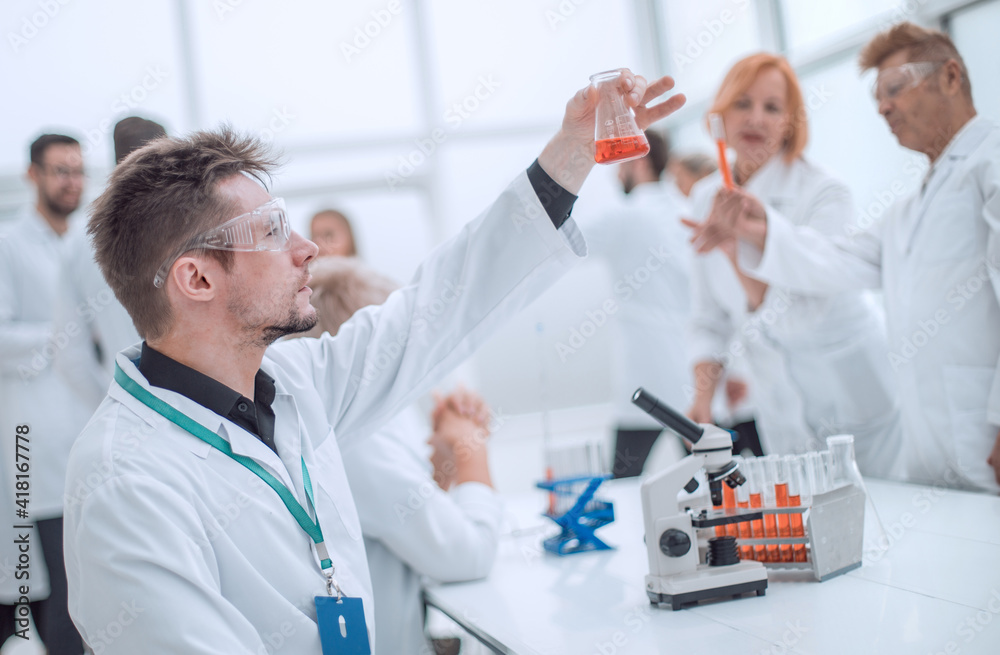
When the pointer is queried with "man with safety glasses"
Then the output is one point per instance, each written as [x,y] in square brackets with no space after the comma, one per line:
[207,506]
[935,254]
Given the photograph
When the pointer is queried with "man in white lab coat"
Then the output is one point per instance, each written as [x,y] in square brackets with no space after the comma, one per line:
[207,506]
[35,402]
[936,255]
[646,249]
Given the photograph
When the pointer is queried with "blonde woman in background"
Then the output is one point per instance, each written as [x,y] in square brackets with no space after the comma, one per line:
[817,362]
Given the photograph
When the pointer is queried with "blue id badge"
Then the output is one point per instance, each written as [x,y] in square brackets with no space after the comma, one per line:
[342,627]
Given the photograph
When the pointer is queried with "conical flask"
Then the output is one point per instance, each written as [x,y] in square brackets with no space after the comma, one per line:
[618,137]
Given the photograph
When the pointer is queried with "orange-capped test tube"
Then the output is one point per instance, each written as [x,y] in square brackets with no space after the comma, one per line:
[718,132]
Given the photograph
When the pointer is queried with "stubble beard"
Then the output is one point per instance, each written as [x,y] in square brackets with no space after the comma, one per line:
[261,334]
[57,208]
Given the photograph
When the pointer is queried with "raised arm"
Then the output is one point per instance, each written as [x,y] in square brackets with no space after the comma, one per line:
[386,356]
[829,255]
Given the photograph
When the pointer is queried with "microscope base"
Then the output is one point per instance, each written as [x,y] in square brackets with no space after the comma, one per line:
[682,590]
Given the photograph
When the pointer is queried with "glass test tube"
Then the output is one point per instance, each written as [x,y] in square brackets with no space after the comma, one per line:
[781,477]
[796,474]
[828,469]
[755,476]
[743,502]
[842,451]
[729,502]
[816,474]
[770,520]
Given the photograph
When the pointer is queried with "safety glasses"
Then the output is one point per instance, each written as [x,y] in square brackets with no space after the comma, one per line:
[265,228]
[892,82]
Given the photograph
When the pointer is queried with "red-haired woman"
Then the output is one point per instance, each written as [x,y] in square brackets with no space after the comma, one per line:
[817,364]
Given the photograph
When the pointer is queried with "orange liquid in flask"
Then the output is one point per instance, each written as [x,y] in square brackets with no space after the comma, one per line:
[629,147]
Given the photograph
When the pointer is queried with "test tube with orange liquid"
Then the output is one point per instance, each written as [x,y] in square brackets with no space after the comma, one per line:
[770,520]
[743,502]
[781,500]
[718,131]
[796,488]
[729,502]
[618,137]
[755,475]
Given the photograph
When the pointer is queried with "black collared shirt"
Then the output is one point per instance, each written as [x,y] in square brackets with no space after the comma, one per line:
[254,416]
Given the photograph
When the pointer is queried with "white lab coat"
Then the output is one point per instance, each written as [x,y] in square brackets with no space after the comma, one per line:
[936,255]
[87,308]
[817,361]
[647,250]
[186,551]
[30,391]
[412,528]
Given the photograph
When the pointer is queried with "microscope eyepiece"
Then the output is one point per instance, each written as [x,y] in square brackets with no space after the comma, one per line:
[666,415]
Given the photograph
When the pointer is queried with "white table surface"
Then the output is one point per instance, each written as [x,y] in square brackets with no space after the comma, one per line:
[935,590]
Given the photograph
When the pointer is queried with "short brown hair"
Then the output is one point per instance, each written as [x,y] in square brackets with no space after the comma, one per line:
[920,44]
[42,143]
[341,286]
[741,77]
[158,199]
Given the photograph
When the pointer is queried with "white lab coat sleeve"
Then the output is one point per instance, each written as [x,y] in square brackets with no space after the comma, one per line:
[829,255]
[711,327]
[20,340]
[127,602]
[76,361]
[991,214]
[448,536]
[385,356]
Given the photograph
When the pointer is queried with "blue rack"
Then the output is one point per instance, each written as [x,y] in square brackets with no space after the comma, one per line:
[582,520]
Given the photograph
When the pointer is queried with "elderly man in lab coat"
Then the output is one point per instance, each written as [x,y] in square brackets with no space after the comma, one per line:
[936,255]
[207,506]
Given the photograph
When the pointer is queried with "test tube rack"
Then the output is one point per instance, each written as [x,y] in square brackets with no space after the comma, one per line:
[579,523]
[834,533]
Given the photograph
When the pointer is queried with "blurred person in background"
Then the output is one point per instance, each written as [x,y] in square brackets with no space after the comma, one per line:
[422,513]
[687,170]
[935,254]
[817,361]
[646,249]
[331,231]
[34,400]
[101,325]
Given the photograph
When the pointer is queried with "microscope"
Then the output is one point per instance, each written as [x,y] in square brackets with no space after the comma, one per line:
[677,575]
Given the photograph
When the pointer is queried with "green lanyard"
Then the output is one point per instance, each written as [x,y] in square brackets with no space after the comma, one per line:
[211,438]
